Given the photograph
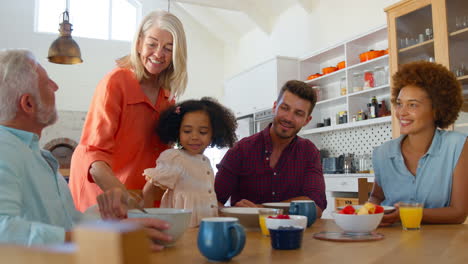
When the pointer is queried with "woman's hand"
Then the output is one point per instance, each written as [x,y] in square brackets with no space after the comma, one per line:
[153,229]
[391,218]
[114,203]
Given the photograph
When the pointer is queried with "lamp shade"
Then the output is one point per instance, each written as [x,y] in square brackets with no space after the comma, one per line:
[64,50]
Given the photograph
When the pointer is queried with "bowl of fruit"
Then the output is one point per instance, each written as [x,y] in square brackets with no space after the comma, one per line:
[359,219]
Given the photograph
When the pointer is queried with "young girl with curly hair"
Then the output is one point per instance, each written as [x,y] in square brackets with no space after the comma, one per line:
[185,173]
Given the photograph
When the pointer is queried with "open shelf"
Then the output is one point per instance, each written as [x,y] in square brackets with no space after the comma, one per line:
[338,99]
[328,78]
[367,122]
[369,90]
[418,46]
[459,32]
[463,79]
[369,63]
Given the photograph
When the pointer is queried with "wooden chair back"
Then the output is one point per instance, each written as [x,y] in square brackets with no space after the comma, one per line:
[364,190]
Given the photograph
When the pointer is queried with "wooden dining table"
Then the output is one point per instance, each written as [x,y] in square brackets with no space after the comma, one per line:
[431,244]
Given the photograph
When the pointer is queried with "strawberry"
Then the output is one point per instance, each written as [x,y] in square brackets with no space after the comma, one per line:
[378,209]
[280,217]
[349,209]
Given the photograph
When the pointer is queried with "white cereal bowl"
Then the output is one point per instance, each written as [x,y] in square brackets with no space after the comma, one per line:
[248,216]
[178,219]
[299,221]
[357,223]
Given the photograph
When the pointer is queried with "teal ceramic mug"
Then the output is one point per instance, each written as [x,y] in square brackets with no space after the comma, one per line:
[220,238]
[305,208]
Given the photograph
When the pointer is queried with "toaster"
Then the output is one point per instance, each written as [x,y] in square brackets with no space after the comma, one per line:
[333,165]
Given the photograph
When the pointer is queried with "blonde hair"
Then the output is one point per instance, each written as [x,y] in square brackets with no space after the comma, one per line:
[174,78]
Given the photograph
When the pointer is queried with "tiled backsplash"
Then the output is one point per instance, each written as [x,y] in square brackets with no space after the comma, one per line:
[68,125]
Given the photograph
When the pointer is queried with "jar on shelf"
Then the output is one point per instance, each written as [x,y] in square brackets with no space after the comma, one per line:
[318,92]
[369,81]
[358,81]
[380,76]
[343,86]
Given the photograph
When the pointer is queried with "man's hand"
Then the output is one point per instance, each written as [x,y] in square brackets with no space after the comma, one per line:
[246,203]
[153,229]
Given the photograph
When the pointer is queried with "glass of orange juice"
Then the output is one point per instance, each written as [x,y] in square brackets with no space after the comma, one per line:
[264,213]
[411,215]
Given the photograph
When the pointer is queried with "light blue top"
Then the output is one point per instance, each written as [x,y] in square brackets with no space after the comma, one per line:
[432,184]
[36,206]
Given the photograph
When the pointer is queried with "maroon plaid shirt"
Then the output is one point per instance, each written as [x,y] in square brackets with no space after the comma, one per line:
[245,173]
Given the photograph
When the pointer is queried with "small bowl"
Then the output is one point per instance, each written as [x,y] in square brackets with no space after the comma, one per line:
[328,70]
[313,76]
[286,238]
[284,206]
[356,224]
[248,216]
[178,219]
[341,65]
[299,221]
[370,55]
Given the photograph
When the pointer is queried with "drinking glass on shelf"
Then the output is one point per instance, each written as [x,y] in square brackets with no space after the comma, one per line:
[369,81]
[380,76]
[429,33]
[358,81]
[343,86]
[318,93]
[461,70]
[459,22]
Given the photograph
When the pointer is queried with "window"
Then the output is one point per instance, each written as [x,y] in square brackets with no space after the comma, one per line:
[99,19]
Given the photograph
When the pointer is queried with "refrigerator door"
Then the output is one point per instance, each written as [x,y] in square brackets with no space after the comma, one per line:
[245,127]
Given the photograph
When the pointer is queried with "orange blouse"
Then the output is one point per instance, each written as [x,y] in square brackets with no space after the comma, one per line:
[119,130]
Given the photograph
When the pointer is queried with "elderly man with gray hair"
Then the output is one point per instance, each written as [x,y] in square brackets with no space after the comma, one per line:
[36,206]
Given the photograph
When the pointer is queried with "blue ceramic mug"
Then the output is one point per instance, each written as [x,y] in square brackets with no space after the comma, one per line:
[220,238]
[305,208]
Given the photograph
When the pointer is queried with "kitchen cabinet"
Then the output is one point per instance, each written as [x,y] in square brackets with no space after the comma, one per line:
[257,88]
[345,89]
[433,30]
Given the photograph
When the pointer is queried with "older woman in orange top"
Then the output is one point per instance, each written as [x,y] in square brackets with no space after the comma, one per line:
[118,140]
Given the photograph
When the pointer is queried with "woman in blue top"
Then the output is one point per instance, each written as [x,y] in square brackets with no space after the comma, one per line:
[425,164]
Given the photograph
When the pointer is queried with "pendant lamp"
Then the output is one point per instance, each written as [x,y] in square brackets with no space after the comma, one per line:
[64,50]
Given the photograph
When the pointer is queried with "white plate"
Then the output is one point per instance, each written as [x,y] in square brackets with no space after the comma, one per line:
[276,205]
[387,209]
[284,206]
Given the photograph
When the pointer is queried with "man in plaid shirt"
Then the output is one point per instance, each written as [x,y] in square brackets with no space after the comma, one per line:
[275,165]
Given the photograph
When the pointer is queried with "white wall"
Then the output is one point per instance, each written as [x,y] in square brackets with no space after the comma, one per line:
[77,82]
[297,33]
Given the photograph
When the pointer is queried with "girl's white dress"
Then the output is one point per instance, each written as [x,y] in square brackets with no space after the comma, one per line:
[189,183]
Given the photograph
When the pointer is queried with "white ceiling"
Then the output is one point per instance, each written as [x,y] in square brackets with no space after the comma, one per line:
[229,20]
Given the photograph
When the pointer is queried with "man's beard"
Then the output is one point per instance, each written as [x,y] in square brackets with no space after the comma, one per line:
[46,114]
[280,134]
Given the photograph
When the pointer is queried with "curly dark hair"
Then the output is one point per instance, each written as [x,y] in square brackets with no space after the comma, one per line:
[223,121]
[300,89]
[439,83]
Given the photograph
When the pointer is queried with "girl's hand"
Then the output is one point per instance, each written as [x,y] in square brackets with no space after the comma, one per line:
[391,218]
